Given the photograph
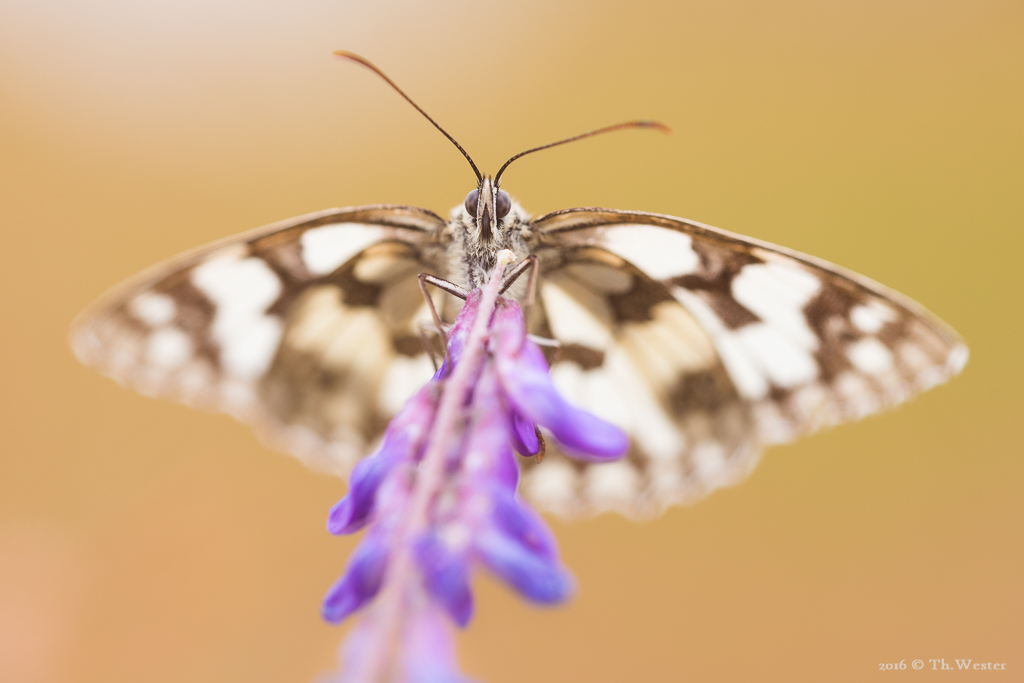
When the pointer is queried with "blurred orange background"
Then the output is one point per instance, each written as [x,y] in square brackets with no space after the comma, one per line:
[142,541]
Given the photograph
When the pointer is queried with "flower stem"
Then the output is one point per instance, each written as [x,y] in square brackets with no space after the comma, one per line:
[429,478]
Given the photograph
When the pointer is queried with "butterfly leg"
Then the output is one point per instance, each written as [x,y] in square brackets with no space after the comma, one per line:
[528,263]
[428,343]
[444,286]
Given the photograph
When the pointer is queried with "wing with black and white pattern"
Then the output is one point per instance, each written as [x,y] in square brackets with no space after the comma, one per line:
[307,329]
[707,346]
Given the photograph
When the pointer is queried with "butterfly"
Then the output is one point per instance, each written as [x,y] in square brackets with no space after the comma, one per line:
[705,346]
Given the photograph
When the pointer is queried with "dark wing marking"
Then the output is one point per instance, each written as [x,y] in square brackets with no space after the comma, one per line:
[306,329]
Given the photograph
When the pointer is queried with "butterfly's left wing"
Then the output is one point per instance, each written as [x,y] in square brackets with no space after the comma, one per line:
[706,346]
[305,329]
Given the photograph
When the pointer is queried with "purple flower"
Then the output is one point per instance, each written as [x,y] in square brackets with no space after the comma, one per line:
[360,582]
[439,496]
[445,575]
[403,437]
[532,394]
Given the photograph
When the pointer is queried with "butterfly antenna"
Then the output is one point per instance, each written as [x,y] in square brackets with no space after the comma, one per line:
[608,129]
[372,67]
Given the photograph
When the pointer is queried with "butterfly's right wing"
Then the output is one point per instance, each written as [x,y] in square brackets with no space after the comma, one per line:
[706,346]
[307,329]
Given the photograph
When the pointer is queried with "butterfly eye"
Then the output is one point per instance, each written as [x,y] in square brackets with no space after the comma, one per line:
[503,204]
[471,200]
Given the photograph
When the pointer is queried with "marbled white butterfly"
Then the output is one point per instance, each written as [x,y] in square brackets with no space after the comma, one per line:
[704,345]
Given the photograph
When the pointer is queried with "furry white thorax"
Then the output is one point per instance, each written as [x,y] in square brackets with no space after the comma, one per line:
[471,257]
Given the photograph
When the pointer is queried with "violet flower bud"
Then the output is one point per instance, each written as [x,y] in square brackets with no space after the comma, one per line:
[525,379]
[446,575]
[360,582]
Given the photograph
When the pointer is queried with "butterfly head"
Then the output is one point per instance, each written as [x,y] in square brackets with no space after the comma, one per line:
[486,223]
[486,207]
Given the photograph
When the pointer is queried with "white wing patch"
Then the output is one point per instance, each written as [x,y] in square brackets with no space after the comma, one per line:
[662,254]
[242,289]
[646,417]
[552,486]
[872,317]
[152,309]
[614,486]
[326,248]
[169,348]
[780,359]
[593,390]
[777,294]
[870,356]
[587,321]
